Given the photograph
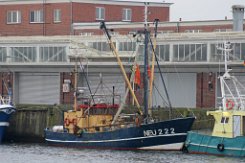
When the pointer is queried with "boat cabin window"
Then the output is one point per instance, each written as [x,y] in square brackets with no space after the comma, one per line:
[224,120]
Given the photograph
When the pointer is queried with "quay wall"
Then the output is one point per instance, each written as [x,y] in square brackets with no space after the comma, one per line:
[29,121]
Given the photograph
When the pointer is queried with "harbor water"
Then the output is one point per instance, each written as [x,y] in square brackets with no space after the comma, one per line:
[41,153]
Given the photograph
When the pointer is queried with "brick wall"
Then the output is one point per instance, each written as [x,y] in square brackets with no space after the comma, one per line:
[83,12]
[6,81]
[205,94]
[70,13]
[25,28]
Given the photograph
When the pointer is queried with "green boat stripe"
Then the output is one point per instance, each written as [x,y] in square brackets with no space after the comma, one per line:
[204,145]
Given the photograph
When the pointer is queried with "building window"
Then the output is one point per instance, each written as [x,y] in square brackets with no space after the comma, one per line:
[36,16]
[13,17]
[193,31]
[86,33]
[162,52]
[190,52]
[100,13]
[237,53]
[57,15]
[101,46]
[222,30]
[127,46]
[52,54]
[127,14]
[23,54]
[3,54]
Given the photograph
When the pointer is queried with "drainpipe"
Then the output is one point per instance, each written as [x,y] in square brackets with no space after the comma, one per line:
[71,18]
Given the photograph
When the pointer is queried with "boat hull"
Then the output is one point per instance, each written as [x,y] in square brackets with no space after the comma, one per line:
[205,144]
[5,114]
[166,135]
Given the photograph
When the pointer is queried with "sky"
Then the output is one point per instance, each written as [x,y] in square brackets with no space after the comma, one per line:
[202,9]
[193,10]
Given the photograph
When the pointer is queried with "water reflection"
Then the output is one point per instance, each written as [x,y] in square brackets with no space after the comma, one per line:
[40,153]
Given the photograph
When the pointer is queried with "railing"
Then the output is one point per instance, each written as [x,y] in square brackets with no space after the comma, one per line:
[234,102]
[4,100]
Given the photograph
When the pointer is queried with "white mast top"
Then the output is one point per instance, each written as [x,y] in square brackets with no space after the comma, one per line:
[146,15]
[232,97]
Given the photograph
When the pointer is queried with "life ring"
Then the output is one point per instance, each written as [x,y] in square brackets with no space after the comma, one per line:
[229,104]
[67,122]
[221,147]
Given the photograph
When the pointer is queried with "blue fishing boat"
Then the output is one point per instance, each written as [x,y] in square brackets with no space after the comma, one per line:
[228,135]
[166,135]
[100,123]
[6,109]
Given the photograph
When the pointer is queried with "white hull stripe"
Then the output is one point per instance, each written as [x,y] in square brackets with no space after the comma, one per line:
[115,140]
[175,146]
[211,146]
[4,124]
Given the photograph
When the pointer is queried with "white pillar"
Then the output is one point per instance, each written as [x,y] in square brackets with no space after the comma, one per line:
[171,52]
[208,52]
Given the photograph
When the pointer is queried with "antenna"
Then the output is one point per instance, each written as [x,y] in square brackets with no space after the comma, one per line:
[226,49]
[146,15]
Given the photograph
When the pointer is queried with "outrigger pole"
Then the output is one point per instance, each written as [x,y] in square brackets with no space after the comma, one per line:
[122,104]
[112,46]
[75,85]
[164,85]
[153,66]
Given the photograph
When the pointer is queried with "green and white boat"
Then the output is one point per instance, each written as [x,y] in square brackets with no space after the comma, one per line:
[228,135]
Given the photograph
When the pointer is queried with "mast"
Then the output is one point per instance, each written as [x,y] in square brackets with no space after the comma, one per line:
[230,96]
[226,75]
[146,32]
[75,85]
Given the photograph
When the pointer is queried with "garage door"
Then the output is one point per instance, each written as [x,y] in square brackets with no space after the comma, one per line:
[181,89]
[39,88]
[103,84]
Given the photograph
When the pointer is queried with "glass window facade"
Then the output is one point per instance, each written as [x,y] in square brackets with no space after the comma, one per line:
[53,54]
[162,52]
[3,54]
[237,53]
[166,52]
[127,46]
[100,46]
[190,52]
[23,54]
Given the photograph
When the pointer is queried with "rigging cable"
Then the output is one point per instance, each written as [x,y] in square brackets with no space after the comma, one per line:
[164,85]
[114,51]
[84,73]
[163,99]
